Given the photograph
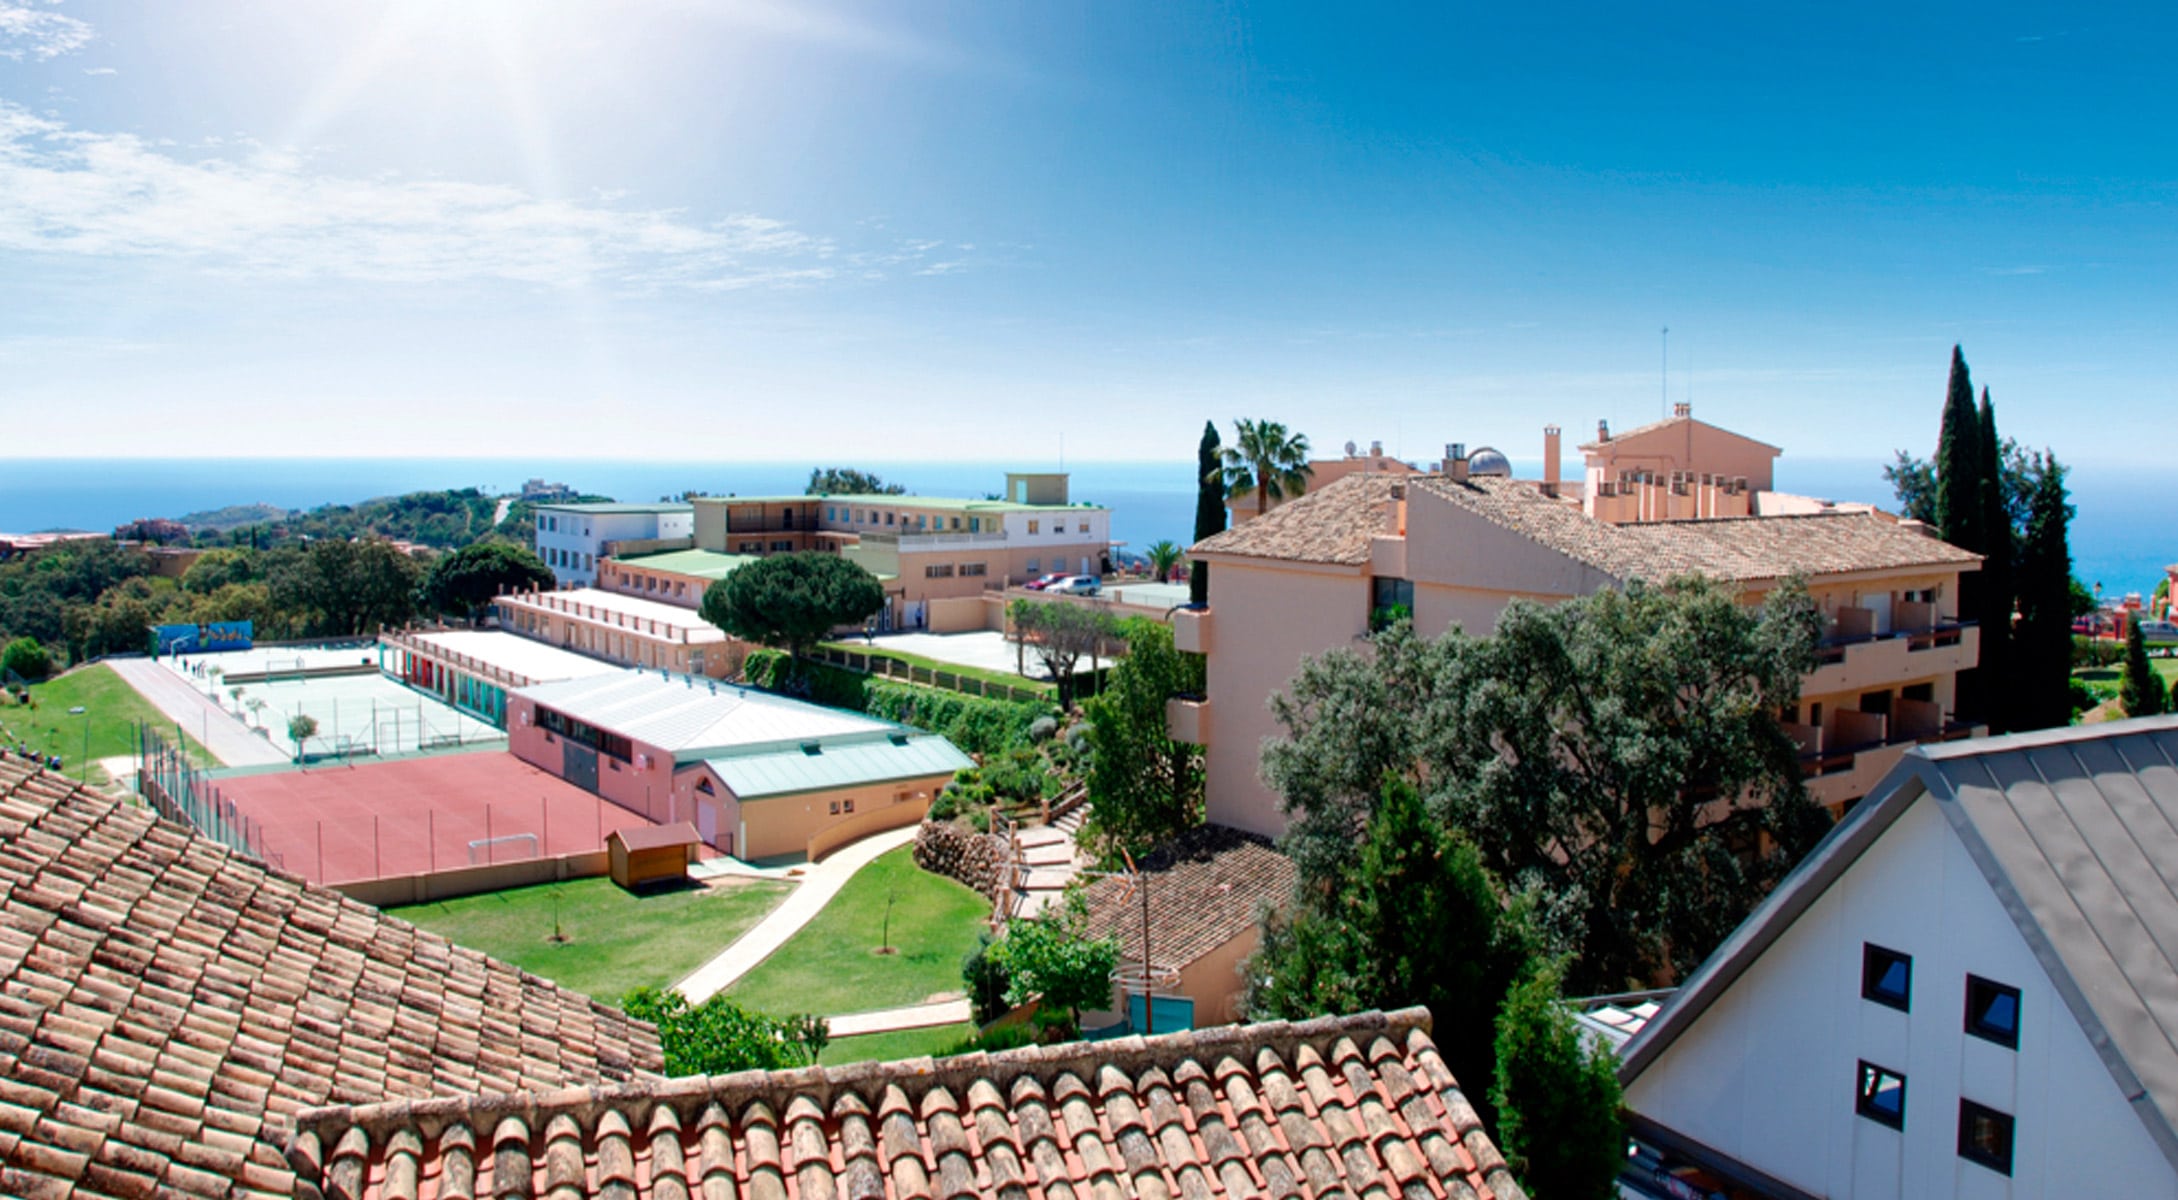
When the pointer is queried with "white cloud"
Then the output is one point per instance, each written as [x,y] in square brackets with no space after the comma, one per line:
[39,32]
[100,71]
[252,210]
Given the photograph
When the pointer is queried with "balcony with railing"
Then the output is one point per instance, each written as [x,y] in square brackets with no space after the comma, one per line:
[1845,758]
[1187,720]
[1919,645]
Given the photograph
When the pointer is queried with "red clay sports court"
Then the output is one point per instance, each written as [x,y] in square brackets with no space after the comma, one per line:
[415,815]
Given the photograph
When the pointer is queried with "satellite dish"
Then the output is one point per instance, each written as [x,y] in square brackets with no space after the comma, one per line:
[1350,449]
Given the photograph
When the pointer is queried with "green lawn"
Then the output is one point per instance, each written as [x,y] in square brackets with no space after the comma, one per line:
[887,1047]
[615,942]
[832,965]
[113,709]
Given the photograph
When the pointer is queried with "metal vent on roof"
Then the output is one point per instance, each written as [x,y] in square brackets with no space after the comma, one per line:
[897,739]
[812,747]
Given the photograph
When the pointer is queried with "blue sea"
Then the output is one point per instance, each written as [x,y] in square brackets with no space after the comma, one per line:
[2119,539]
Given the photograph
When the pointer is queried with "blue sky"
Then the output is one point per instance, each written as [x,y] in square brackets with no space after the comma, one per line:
[678,229]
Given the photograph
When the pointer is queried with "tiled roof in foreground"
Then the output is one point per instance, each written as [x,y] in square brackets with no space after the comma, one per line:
[166,1006]
[1359,1105]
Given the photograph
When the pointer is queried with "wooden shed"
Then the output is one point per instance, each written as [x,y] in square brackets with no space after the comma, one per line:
[651,854]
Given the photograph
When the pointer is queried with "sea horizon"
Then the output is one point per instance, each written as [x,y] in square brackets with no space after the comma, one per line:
[2117,534]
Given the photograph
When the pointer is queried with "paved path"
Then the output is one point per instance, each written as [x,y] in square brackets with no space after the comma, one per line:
[888,1020]
[229,740]
[819,883]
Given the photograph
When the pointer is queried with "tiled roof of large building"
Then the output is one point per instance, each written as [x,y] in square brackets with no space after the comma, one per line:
[167,1006]
[1203,890]
[1642,431]
[1335,525]
[691,715]
[1343,1106]
[1332,524]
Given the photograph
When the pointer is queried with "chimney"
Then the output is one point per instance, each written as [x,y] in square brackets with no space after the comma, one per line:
[1376,449]
[1682,409]
[1603,431]
[1455,461]
[1550,460]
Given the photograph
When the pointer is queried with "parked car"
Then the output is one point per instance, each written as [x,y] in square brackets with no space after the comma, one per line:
[1077,585]
[2159,633]
[1042,582]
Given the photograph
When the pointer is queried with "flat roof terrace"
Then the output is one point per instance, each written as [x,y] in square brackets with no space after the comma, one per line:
[528,659]
[620,611]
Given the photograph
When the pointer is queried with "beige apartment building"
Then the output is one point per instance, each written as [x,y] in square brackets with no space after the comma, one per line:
[1456,548]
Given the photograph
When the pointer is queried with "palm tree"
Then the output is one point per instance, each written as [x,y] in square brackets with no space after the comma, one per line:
[1163,556]
[1267,460]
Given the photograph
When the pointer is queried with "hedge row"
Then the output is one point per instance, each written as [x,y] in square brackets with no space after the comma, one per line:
[976,724]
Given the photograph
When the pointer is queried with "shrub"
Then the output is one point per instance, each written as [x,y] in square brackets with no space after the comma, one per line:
[1557,1096]
[945,804]
[973,723]
[1005,1037]
[985,979]
[718,1036]
[819,683]
[26,658]
[980,820]
[1043,728]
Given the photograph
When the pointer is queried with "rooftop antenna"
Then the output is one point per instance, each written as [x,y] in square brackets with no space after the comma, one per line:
[1663,383]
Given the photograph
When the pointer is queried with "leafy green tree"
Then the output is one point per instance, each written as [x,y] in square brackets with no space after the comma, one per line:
[1050,959]
[2041,674]
[1163,556]
[300,729]
[1266,459]
[1959,461]
[1557,1097]
[1143,786]
[215,569]
[1617,756]
[1062,634]
[25,657]
[465,581]
[718,1036]
[340,588]
[846,481]
[1412,918]
[1209,507]
[2141,690]
[984,977]
[791,600]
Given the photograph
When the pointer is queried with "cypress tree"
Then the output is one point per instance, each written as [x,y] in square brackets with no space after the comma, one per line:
[2141,691]
[2042,647]
[1209,507]
[1997,589]
[1958,463]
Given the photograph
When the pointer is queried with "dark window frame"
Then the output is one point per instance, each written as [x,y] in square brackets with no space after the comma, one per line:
[2007,1038]
[1864,1102]
[1970,1148]
[1874,963]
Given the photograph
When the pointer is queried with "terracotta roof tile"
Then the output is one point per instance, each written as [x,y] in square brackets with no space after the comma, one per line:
[1335,525]
[166,1006]
[1204,888]
[1336,1106]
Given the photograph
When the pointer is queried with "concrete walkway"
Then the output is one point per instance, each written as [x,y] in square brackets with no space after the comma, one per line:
[819,883]
[229,740]
[891,1020]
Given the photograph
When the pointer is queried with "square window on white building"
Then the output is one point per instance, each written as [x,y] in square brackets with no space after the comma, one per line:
[1886,976]
[1882,1095]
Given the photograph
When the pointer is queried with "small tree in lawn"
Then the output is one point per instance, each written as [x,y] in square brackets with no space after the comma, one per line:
[1051,959]
[2141,692]
[791,600]
[301,728]
[1557,1097]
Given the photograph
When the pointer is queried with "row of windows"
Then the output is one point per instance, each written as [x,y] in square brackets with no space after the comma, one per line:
[611,744]
[780,546]
[552,525]
[1992,1008]
[556,557]
[840,806]
[1985,1134]
[1057,527]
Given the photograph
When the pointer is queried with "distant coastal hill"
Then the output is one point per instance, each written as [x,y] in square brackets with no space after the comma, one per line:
[445,519]
[234,516]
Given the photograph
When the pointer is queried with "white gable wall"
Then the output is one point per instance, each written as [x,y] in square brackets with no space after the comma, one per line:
[1767,1074]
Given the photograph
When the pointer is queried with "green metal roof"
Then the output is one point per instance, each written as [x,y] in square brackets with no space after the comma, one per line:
[833,764]
[703,564]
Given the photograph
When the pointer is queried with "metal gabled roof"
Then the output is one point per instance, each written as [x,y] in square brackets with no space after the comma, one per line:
[824,765]
[2076,831]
